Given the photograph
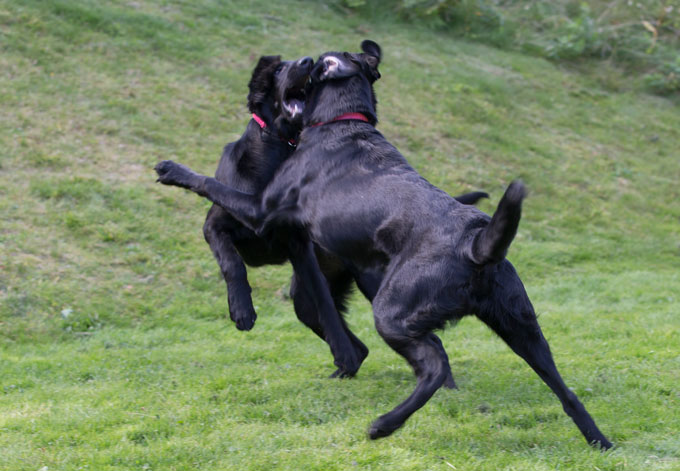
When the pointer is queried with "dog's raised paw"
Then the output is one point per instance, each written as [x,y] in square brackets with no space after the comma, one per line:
[164,167]
[172,173]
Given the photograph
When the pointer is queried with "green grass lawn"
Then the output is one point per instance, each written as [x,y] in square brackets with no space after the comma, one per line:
[116,351]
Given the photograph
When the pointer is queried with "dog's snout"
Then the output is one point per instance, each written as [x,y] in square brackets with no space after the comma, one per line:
[306,62]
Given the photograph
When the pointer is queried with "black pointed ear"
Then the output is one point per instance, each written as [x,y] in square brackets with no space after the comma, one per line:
[262,80]
[372,55]
[371,48]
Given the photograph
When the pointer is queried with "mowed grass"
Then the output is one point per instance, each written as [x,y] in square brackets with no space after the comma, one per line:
[115,352]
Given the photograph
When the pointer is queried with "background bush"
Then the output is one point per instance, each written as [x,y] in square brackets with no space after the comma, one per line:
[640,37]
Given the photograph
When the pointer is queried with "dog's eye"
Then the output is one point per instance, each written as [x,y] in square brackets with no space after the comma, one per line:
[278,70]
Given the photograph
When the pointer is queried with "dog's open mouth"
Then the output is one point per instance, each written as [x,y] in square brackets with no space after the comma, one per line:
[294,100]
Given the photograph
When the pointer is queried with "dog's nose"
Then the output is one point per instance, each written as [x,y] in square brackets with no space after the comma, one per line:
[306,62]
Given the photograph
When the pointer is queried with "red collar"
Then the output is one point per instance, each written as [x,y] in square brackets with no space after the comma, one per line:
[259,121]
[291,142]
[342,117]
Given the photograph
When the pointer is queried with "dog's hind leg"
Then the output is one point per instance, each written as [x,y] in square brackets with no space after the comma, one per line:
[216,233]
[523,335]
[407,335]
[431,368]
[369,284]
[449,381]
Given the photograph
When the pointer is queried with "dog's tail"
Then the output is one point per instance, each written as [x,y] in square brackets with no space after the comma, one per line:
[472,197]
[491,244]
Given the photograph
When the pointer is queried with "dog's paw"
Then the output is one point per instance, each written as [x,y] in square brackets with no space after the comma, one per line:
[172,173]
[382,427]
[348,363]
[602,443]
[449,382]
[340,373]
[360,354]
[244,321]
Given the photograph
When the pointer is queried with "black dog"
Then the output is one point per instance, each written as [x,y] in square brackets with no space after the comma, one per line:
[428,258]
[276,100]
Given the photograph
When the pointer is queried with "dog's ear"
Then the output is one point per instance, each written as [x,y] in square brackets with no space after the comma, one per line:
[262,81]
[371,48]
[372,55]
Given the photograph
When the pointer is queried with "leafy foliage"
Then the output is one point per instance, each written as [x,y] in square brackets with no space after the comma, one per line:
[640,36]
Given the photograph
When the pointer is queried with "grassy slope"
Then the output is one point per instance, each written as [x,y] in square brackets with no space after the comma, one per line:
[115,353]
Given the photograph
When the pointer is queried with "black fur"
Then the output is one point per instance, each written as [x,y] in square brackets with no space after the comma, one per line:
[426,258]
[248,165]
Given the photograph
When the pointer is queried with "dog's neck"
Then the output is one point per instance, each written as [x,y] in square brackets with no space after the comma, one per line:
[334,98]
[276,127]
[344,117]
[259,121]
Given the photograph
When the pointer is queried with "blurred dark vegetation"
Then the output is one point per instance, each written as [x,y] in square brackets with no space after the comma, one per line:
[640,38]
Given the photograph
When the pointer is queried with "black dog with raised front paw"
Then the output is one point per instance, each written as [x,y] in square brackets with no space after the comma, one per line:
[276,100]
[430,259]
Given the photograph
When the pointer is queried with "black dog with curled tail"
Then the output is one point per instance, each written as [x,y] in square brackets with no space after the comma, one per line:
[428,258]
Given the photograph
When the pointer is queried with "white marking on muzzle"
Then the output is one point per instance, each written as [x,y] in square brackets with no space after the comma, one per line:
[332,64]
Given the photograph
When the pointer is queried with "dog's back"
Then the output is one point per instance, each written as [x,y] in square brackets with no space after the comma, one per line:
[360,199]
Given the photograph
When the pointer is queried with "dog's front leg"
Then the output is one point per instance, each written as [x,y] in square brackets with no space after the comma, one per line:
[244,207]
[307,312]
[311,279]
[218,231]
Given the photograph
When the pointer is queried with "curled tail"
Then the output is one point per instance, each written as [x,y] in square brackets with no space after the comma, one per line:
[491,243]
